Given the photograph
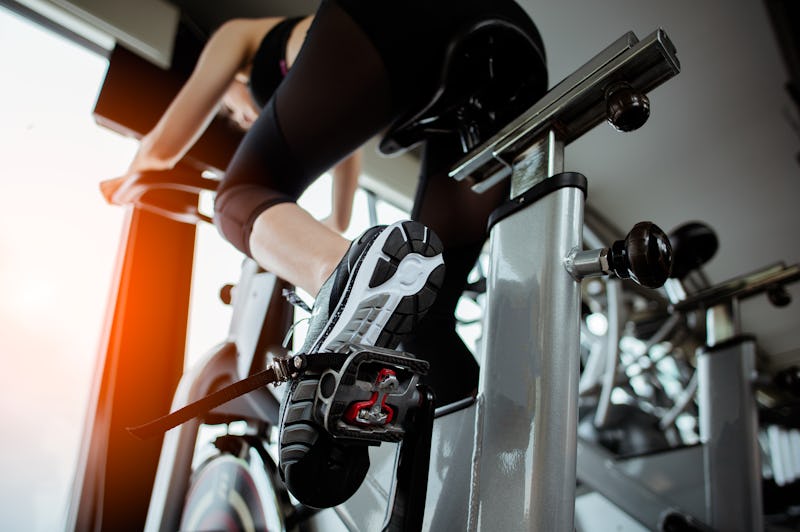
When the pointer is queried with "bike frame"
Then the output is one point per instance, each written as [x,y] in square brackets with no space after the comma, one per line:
[506,460]
[258,323]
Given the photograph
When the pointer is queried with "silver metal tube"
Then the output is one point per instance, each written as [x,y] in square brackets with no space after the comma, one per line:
[575,103]
[721,322]
[593,370]
[794,452]
[590,263]
[526,424]
[729,433]
[615,321]
[675,290]
[683,401]
[776,457]
[542,160]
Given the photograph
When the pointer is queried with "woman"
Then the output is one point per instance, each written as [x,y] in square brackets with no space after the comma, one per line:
[225,80]
[362,65]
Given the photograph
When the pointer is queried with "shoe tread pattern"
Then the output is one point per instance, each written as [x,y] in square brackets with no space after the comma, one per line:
[410,237]
[300,432]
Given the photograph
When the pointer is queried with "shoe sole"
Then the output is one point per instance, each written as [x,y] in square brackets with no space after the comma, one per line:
[376,309]
[408,271]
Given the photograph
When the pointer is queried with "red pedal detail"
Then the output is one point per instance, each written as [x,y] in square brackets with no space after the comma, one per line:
[359,412]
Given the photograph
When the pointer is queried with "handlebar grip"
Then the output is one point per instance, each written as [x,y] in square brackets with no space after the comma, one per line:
[183,186]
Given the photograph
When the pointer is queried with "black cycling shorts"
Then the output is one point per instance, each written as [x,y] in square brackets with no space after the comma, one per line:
[363,64]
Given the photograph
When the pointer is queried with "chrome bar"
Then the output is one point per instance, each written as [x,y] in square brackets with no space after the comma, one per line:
[574,106]
[588,263]
[729,434]
[542,160]
[526,427]
[722,322]
[616,321]
[742,287]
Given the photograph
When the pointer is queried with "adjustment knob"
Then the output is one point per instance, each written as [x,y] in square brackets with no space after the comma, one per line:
[645,256]
[779,296]
[789,379]
[627,109]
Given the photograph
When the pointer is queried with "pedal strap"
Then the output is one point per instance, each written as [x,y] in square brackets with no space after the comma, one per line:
[281,370]
[204,405]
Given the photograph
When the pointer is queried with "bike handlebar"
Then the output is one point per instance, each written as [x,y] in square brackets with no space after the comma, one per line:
[179,207]
[741,287]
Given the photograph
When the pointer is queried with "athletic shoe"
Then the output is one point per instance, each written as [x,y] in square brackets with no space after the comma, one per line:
[382,287]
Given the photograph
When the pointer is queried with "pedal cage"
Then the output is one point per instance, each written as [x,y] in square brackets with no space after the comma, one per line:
[371,396]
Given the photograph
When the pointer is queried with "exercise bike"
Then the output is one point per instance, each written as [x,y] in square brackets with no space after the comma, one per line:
[505,459]
[687,359]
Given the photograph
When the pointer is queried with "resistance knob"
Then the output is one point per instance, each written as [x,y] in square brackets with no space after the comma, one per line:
[645,256]
[627,109]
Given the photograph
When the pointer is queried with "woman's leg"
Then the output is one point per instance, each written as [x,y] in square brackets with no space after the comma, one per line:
[274,245]
[459,216]
[336,96]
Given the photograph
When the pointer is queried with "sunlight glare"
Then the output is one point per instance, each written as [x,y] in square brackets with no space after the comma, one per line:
[57,249]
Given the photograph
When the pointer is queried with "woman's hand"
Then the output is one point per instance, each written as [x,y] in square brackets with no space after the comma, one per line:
[239,105]
[145,160]
[109,188]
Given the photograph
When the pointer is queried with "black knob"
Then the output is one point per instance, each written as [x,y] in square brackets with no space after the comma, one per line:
[675,522]
[645,256]
[693,244]
[789,379]
[779,296]
[627,109]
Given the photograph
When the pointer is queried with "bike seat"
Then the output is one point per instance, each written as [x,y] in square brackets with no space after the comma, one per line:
[492,72]
[693,244]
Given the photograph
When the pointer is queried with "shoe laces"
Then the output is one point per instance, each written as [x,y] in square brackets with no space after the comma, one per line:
[295,300]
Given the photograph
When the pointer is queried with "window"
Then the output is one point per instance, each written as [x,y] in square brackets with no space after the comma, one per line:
[58,241]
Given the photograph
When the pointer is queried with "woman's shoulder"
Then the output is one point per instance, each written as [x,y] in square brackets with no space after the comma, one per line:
[250,25]
[249,31]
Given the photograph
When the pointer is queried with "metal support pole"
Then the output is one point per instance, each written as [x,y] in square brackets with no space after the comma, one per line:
[722,322]
[526,419]
[729,433]
[523,464]
[140,362]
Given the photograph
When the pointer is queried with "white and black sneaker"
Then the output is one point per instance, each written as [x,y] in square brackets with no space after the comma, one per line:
[377,294]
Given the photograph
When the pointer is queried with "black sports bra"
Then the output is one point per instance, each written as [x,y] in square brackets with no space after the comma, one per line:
[269,63]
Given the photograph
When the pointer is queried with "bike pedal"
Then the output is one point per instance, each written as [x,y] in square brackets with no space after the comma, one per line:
[370,397]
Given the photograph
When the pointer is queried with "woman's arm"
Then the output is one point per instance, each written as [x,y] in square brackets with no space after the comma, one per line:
[228,50]
[345,183]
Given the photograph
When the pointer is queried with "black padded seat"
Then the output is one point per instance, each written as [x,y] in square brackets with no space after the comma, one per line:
[693,244]
[492,72]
